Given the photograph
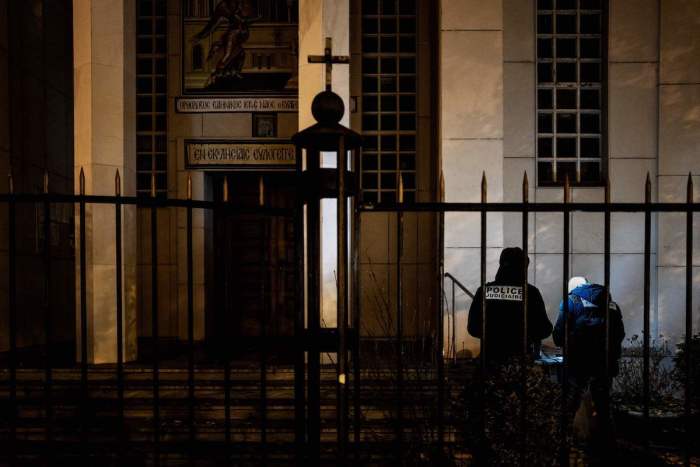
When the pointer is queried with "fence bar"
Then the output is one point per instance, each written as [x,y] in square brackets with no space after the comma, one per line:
[434,207]
[12,304]
[83,322]
[524,363]
[605,410]
[517,207]
[48,371]
[190,326]
[399,327]
[227,352]
[314,319]
[688,320]
[342,301]
[154,327]
[647,292]
[356,298]
[482,341]
[440,348]
[564,419]
[263,323]
[453,339]
[120,315]
[299,363]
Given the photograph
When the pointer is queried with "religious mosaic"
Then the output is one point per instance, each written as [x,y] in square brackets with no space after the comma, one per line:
[240,47]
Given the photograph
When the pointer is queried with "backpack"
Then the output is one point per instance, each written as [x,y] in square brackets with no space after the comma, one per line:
[587,333]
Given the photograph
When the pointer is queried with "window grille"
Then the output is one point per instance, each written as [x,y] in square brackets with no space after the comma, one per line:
[389,94]
[151,97]
[571,59]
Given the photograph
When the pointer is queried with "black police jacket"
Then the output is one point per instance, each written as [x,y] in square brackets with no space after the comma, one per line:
[504,319]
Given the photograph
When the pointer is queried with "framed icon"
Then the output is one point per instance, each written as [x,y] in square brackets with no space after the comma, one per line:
[264,125]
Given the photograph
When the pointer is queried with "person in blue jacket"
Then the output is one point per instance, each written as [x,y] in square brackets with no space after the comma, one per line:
[586,346]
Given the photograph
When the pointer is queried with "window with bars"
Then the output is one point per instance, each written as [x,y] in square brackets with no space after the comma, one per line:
[389,92]
[151,97]
[571,69]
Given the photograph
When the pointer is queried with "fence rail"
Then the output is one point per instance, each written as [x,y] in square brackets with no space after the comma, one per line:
[303,440]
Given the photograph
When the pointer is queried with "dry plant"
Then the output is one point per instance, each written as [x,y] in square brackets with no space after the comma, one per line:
[498,399]
[628,386]
[418,422]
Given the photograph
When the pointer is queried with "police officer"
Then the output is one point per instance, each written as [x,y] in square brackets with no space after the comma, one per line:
[504,311]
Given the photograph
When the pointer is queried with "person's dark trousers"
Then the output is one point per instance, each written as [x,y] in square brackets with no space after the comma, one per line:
[602,440]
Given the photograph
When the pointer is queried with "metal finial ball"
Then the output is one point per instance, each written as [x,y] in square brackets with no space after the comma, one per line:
[327,107]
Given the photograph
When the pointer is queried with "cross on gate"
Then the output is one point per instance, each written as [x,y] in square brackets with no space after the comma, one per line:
[329,59]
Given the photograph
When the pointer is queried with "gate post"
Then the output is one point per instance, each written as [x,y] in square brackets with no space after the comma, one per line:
[316,183]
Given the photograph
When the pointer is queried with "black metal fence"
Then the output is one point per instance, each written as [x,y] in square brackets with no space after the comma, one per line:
[306,445]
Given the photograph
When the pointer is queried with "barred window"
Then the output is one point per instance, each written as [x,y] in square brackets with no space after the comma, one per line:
[151,97]
[389,91]
[571,51]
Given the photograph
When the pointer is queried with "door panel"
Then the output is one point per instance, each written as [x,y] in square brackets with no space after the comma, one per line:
[254,259]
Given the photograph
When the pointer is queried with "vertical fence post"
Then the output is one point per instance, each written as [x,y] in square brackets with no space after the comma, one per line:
[227,352]
[299,338]
[264,269]
[356,304]
[605,410]
[564,419]
[440,357]
[483,341]
[647,293]
[525,349]
[120,313]
[154,324]
[83,323]
[48,371]
[484,191]
[453,339]
[314,317]
[12,305]
[190,325]
[688,318]
[342,303]
[399,325]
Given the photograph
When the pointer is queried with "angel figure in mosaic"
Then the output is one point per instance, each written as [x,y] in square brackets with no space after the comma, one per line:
[228,51]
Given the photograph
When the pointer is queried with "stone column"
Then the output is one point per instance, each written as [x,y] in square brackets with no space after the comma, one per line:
[471,41]
[4,168]
[104,113]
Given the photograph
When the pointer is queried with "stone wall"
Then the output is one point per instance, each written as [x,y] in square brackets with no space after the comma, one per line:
[36,135]
[678,155]
[378,233]
[653,102]
[472,138]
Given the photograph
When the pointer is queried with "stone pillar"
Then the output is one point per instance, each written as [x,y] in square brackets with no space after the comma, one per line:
[319,19]
[4,168]
[679,150]
[104,113]
[471,40]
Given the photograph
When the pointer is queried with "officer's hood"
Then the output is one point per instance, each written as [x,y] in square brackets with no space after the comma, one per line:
[591,293]
[512,266]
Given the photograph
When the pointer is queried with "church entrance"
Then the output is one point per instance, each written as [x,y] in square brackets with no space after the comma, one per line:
[254,269]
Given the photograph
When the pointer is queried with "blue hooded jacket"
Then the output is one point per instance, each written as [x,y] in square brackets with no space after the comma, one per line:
[587,331]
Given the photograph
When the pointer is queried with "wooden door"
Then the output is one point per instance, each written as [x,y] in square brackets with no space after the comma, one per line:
[254,259]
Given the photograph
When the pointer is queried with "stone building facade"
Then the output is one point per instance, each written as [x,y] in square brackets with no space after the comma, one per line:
[441,91]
